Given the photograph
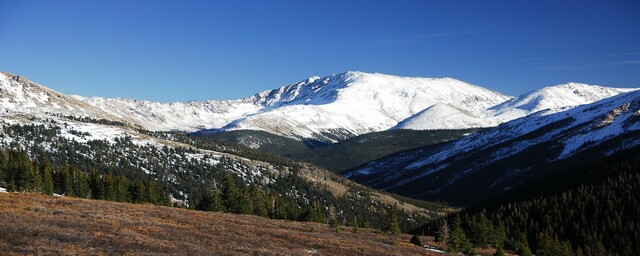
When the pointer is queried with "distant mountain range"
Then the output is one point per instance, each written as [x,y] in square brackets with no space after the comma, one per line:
[532,131]
[489,162]
[327,109]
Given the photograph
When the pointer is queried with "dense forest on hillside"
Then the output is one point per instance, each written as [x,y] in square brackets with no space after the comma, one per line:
[19,173]
[596,216]
[275,188]
[341,155]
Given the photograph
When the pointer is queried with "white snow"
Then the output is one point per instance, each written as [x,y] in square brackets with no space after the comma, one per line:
[582,127]
[327,108]
[3,190]
[552,99]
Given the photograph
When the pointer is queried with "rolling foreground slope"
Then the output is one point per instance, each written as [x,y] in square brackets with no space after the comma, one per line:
[49,225]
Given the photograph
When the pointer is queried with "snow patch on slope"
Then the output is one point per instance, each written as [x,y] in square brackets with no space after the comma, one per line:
[552,99]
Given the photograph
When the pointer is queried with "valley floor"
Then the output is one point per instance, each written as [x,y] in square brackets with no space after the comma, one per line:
[51,225]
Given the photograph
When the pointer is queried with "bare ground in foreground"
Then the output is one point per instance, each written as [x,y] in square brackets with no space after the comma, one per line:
[49,225]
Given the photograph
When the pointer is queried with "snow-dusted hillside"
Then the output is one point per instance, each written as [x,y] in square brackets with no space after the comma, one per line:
[19,96]
[552,98]
[327,108]
[496,158]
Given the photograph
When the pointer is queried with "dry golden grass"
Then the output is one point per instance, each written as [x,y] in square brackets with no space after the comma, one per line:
[47,225]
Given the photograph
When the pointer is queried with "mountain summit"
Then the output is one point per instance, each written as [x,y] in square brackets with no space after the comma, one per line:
[329,108]
[552,99]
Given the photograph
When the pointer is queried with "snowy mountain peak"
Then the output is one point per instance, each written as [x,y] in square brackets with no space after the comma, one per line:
[328,108]
[558,96]
[19,96]
[552,98]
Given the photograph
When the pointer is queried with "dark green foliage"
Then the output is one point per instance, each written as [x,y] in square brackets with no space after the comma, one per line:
[597,217]
[235,200]
[125,171]
[391,224]
[415,239]
[343,154]
[499,251]
[71,181]
[210,201]
[269,143]
[548,246]
[458,241]
[46,170]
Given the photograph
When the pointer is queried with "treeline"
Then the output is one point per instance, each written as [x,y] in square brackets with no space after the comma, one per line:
[222,146]
[190,175]
[18,173]
[234,196]
[598,217]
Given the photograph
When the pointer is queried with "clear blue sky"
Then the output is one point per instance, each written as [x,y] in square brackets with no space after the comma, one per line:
[197,50]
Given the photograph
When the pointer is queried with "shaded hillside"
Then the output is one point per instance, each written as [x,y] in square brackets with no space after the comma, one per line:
[343,154]
[487,163]
[38,224]
[591,208]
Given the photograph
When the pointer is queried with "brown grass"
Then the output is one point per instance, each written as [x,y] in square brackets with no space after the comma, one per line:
[47,225]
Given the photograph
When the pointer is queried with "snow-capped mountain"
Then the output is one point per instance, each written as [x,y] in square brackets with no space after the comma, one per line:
[498,158]
[552,98]
[327,108]
[19,96]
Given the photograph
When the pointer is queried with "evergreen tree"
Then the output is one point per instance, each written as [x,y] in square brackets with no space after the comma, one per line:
[443,232]
[210,201]
[415,239]
[67,187]
[2,167]
[258,201]
[97,186]
[230,194]
[137,192]
[522,246]
[548,246]
[499,251]
[458,242]
[46,170]
[391,223]
[499,235]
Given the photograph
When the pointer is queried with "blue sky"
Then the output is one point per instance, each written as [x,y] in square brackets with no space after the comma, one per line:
[197,50]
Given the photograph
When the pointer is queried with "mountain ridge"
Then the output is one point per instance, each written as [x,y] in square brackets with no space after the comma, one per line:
[496,158]
[336,107]
[551,98]
[325,107]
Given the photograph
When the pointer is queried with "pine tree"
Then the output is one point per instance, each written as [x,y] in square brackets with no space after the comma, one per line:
[80,181]
[391,222]
[443,232]
[257,202]
[499,251]
[415,239]
[458,241]
[210,201]
[66,176]
[499,235]
[2,167]
[97,186]
[356,226]
[46,170]
[522,246]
